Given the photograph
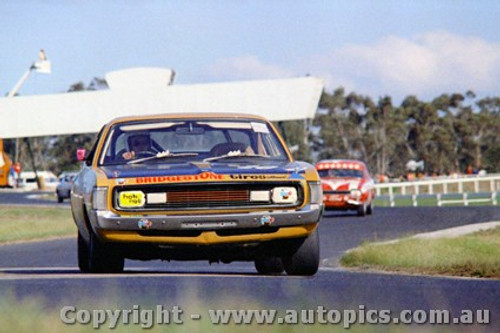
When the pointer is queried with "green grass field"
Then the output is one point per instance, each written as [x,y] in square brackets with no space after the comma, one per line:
[21,223]
[474,255]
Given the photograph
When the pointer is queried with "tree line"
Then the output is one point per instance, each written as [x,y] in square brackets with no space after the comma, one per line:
[450,133]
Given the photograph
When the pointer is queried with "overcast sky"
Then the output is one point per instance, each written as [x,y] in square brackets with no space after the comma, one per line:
[375,48]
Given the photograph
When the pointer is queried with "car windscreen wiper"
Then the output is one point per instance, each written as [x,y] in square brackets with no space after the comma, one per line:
[162,154]
[234,153]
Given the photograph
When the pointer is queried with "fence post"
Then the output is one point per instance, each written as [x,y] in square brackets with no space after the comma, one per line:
[414,199]
[413,189]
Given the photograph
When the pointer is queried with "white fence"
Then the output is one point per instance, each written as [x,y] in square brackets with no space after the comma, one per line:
[466,189]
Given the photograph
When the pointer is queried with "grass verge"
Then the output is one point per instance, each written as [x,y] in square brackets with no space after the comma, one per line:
[32,315]
[28,223]
[473,255]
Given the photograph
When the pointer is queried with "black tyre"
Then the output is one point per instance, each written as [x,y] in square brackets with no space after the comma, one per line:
[305,261]
[362,210]
[104,258]
[59,198]
[83,254]
[369,209]
[271,265]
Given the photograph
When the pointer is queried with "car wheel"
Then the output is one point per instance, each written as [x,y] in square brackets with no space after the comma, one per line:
[59,198]
[103,258]
[305,261]
[369,209]
[270,265]
[83,254]
[362,210]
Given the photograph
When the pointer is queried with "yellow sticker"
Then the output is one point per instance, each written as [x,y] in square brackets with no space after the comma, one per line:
[131,199]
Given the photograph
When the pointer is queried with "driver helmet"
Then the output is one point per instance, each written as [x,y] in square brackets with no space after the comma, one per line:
[139,139]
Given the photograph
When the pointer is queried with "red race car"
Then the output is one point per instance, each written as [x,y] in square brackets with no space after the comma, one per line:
[347,185]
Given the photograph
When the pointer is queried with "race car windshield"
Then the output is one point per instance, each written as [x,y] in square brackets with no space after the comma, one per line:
[181,141]
[340,173]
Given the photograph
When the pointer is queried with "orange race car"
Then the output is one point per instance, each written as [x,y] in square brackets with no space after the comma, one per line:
[217,187]
[347,185]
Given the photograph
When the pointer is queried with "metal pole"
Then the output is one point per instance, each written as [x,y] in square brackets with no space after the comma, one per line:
[13,93]
[21,81]
[32,157]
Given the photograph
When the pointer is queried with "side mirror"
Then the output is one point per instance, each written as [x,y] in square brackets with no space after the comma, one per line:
[80,154]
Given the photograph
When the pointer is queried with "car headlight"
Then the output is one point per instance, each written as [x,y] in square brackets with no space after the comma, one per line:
[356,193]
[284,195]
[315,192]
[134,199]
[99,198]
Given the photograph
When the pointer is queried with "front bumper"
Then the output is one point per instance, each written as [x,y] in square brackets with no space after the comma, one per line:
[207,228]
[343,203]
[333,200]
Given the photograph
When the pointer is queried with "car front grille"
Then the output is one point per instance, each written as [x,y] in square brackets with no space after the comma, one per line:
[182,197]
[336,192]
[208,196]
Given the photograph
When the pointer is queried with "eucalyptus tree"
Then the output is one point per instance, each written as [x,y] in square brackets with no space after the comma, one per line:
[491,140]
[447,139]
[430,136]
[332,122]
[473,128]
[385,137]
[479,126]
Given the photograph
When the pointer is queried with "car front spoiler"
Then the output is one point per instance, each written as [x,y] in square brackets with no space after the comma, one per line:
[107,220]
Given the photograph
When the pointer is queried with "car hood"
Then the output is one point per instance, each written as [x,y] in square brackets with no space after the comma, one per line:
[294,169]
[341,184]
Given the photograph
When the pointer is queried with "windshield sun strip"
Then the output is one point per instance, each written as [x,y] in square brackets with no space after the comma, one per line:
[148,126]
[225,124]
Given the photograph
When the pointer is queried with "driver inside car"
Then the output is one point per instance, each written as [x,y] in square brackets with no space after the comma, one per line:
[139,146]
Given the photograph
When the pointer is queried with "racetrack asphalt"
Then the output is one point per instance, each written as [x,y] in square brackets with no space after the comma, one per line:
[48,270]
